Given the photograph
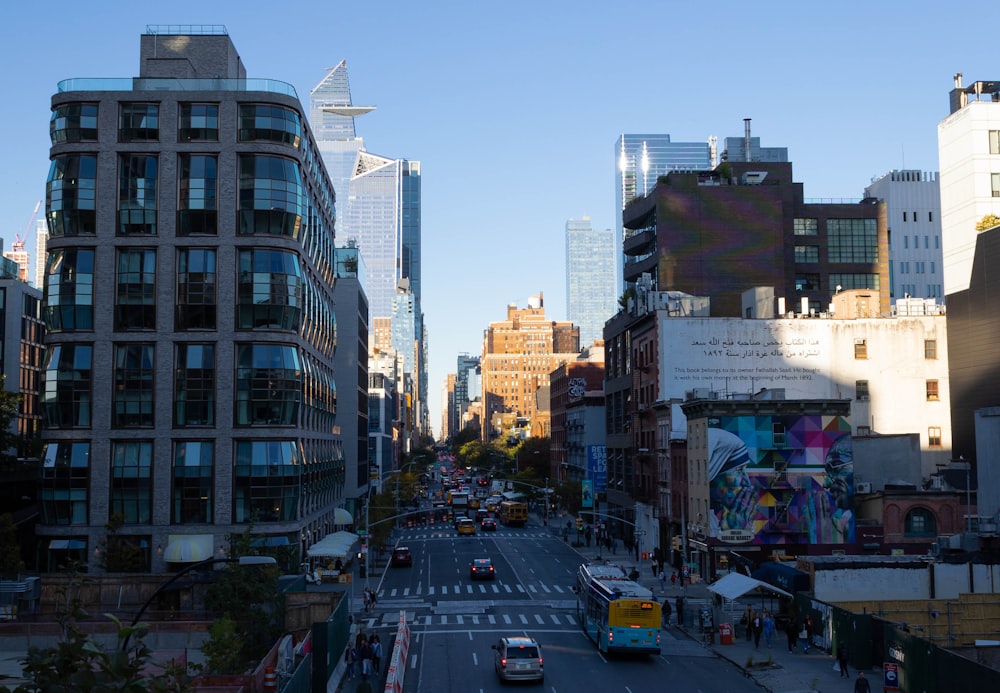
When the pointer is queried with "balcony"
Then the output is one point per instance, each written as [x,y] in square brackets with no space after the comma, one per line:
[640,241]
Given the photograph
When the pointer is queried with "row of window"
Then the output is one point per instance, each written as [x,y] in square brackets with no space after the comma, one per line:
[931,390]
[196,122]
[861,351]
[916,242]
[920,267]
[267,479]
[913,217]
[269,382]
[271,293]
[271,197]
[930,291]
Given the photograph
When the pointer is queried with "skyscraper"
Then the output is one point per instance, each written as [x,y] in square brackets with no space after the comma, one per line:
[591,290]
[189,386]
[639,160]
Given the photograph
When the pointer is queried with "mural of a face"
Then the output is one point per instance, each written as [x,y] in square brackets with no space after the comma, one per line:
[731,494]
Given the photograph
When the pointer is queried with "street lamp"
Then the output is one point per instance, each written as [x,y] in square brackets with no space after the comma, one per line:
[242,561]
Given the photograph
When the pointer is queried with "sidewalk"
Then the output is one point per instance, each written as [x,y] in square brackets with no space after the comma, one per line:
[774,669]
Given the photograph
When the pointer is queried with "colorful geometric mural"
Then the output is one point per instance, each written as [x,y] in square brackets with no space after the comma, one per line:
[785,479]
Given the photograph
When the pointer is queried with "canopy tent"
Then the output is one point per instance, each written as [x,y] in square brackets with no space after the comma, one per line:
[188,548]
[342,516]
[735,585]
[336,545]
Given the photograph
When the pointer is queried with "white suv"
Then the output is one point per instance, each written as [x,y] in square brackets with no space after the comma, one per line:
[519,658]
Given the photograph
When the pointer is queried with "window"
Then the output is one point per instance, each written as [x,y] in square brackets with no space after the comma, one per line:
[269,122]
[930,216]
[904,216]
[927,242]
[806,253]
[930,348]
[131,480]
[934,436]
[69,290]
[137,194]
[272,196]
[194,385]
[860,386]
[71,195]
[196,289]
[139,122]
[864,430]
[852,240]
[135,298]
[932,390]
[853,280]
[73,122]
[995,184]
[860,349]
[133,401]
[267,481]
[66,398]
[778,434]
[199,122]
[906,240]
[994,136]
[270,290]
[920,522]
[65,475]
[197,204]
[192,489]
[807,282]
[268,384]
[805,227]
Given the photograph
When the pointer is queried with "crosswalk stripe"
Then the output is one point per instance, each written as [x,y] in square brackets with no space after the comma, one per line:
[539,619]
[524,619]
[506,619]
[545,588]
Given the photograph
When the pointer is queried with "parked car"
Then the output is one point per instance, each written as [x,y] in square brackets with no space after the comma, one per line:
[518,658]
[488,525]
[401,556]
[482,569]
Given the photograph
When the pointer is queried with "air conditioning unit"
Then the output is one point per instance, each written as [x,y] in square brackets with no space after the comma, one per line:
[863,487]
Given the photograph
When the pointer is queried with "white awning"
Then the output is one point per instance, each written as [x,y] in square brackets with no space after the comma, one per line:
[342,517]
[336,545]
[188,548]
[735,585]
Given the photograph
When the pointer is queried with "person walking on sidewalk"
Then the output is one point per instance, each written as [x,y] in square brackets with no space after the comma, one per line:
[666,612]
[791,632]
[746,620]
[757,625]
[804,638]
[768,628]
[861,684]
[679,603]
[842,660]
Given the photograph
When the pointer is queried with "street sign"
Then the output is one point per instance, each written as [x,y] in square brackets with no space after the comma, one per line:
[640,532]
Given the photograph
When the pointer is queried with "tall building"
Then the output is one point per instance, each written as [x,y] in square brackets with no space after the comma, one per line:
[199,196]
[591,288]
[41,242]
[913,211]
[467,389]
[716,233]
[969,156]
[519,353]
[20,257]
[639,161]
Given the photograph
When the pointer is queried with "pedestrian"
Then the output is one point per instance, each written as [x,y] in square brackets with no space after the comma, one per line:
[861,684]
[842,659]
[791,632]
[679,603]
[590,534]
[745,620]
[367,600]
[351,657]
[373,599]
[673,578]
[757,625]
[663,581]
[366,660]
[768,628]
[376,653]
[633,574]
[666,613]
[804,638]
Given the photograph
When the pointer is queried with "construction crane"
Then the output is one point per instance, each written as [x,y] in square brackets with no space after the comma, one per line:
[34,213]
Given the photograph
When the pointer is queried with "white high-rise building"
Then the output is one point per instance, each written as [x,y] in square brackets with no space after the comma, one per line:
[913,209]
[591,288]
[969,156]
[41,243]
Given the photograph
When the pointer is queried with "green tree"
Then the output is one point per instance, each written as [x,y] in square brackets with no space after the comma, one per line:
[224,648]
[11,562]
[120,553]
[10,403]
[987,222]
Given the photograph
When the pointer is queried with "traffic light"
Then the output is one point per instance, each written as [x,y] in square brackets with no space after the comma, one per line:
[676,543]
[579,524]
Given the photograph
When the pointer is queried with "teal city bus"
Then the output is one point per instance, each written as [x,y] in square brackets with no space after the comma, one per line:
[618,614]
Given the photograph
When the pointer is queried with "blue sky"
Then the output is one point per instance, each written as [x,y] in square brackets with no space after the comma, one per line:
[513,108]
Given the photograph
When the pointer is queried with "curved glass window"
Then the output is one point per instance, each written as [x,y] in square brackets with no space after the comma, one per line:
[269,122]
[268,385]
[73,122]
[197,206]
[270,290]
[192,493]
[272,197]
[268,478]
[132,481]
[139,122]
[69,290]
[71,195]
[137,194]
[135,298]
[199,122]
[133,403]
[66,396]
[196,287]
[194,385]
[65,475]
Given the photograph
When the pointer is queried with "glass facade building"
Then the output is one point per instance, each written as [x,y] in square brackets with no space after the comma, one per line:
[591,296]
[192,394]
